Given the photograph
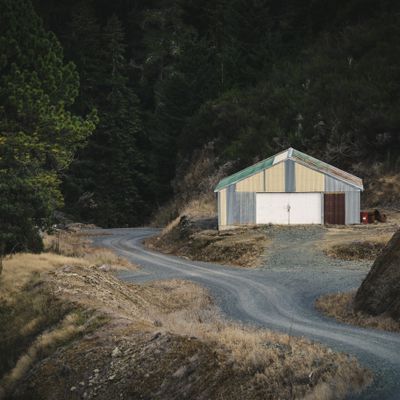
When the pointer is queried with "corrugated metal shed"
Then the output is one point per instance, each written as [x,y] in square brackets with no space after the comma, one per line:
[290,172]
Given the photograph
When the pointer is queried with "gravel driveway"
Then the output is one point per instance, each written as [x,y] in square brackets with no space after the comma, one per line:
[279,295]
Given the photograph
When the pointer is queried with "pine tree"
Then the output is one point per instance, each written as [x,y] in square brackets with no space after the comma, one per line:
[111,173]
[84,46]
[38,133]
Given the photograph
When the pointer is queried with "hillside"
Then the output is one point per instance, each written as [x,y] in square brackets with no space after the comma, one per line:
[71,329]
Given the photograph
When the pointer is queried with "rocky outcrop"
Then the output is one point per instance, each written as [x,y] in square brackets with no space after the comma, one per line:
[380,291]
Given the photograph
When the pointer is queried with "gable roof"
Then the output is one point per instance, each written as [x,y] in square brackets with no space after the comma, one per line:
[295,155]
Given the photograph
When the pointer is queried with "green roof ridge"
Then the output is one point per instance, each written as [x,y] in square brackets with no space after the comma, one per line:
[245,173]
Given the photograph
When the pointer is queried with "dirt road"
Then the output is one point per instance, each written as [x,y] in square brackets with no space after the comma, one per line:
[279,295]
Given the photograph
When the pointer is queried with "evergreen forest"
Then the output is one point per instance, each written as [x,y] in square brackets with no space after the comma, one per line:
[105,104]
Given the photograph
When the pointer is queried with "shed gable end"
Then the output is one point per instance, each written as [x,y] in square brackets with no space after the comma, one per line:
[307,179]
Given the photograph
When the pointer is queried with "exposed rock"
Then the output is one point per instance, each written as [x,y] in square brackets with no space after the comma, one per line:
[105,267]
[67,268]
[77,226]
[380,291]
[155,336]
[116,352]
[180,372]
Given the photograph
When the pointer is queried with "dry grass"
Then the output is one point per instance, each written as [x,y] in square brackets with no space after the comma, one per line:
[33,321]
[204,206]
[77,244]
[357,250]
[383,191]
[201,207]
[19,269]
[270,357]
[66,249]
[340,306]
[242,247]
[177,308]
[358,242]
[67,329]
[170,339]
[193,189]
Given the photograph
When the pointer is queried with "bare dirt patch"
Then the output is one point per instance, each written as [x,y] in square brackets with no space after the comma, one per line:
[341,307]
[192,238]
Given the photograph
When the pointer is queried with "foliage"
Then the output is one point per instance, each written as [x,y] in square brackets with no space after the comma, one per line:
[105,182]
[38,133]
[168,77]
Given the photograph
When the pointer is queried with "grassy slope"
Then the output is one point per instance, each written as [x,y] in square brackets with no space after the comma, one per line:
[340,306]
[185,237]
[371,240]
[161,340]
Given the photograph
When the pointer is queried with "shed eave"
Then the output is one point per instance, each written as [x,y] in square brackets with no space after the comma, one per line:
[224,186]
[332,175]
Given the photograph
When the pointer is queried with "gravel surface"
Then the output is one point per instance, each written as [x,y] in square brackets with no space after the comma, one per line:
[280,295]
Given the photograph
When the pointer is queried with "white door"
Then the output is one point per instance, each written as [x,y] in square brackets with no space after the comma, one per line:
[289,208]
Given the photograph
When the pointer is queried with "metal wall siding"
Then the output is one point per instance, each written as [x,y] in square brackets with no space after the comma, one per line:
[222,206]
[230,204]
[352,207]
[308,180]
[334,185]
[218,209]
[240,207]
[352,198]
[246,205]
[253,183]
[275,178]
[290,180]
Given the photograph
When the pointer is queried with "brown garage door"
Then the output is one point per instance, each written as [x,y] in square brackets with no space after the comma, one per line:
[334,208]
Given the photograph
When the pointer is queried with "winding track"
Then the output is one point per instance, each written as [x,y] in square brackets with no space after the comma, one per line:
[277,298]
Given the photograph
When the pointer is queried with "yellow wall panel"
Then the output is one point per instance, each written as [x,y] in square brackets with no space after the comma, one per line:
[222,206]
[254,183]
[308,180]
[275,178]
